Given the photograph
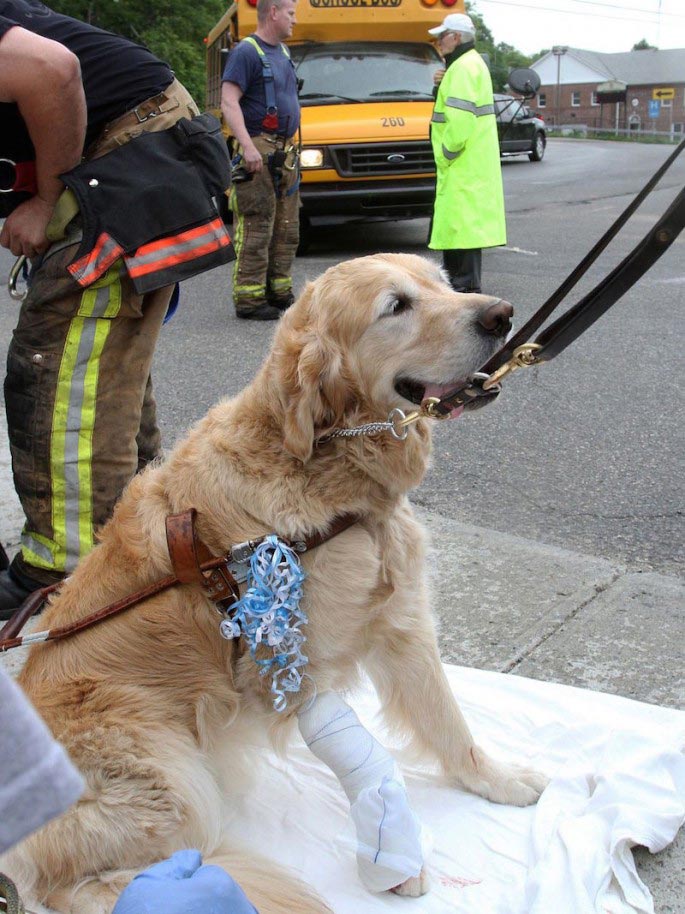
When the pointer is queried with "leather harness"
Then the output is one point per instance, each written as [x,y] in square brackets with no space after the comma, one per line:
[192,563]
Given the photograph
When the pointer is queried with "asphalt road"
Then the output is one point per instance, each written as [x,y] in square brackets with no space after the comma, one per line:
[585,452]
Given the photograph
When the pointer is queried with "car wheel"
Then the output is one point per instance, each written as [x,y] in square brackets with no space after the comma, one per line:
[538,150]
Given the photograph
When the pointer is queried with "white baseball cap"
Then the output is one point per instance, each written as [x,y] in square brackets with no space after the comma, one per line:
[455,22]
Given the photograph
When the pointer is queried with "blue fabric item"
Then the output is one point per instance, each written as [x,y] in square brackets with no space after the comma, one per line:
[173,303]
[244,68]
[181,885]
[269,615]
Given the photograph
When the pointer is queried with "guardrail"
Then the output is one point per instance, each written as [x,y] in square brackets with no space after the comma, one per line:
[614,133]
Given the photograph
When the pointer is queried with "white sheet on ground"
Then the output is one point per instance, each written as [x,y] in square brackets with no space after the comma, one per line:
[618,779]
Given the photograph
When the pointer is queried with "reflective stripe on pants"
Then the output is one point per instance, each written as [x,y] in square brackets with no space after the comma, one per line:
[79,405]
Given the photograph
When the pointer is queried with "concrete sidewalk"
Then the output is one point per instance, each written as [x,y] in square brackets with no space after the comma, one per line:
[520,607]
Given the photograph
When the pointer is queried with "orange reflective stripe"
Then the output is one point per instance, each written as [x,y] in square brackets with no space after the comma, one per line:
[167,252]
[87,269]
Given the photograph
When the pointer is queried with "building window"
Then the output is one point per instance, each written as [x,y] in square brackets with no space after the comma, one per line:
[667,103]
[542,100]
[678,128]
[594,101]
[575,99]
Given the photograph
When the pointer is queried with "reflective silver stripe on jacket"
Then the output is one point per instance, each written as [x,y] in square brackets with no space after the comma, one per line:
[438,117]
[464,105]
[450,155]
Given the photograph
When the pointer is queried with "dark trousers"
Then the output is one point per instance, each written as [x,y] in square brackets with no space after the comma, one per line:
[463,268]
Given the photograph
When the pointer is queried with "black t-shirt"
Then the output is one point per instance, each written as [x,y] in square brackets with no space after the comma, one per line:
[117,74]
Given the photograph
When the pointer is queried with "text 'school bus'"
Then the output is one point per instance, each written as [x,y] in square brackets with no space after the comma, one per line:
[367,96]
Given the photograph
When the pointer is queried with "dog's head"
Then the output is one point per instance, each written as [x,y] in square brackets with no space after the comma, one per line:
[376,333]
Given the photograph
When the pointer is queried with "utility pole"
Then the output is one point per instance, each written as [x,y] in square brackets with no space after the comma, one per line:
[558,50]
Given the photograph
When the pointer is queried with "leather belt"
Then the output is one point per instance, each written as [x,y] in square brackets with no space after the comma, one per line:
[151,107]
[277,138]
[517,352]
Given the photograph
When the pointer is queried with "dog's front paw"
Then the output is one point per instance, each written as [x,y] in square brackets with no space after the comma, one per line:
[515,785]
[413,887]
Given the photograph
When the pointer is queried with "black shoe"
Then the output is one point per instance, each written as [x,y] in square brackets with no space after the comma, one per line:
[282,302]
[263,312]
[15,587]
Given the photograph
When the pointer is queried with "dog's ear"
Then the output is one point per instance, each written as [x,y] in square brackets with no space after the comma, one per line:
[314,392]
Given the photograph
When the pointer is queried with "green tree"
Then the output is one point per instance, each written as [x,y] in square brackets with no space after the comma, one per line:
[644,45]
[502,57]
[174,30]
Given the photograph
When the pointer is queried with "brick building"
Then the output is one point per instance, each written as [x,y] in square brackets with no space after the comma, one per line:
[650,84]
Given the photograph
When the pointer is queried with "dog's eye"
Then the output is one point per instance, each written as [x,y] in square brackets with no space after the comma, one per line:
[400,305]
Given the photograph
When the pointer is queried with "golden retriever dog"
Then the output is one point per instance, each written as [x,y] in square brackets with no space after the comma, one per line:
[154,707]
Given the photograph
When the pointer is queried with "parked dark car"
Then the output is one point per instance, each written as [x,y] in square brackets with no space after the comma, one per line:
[521,132]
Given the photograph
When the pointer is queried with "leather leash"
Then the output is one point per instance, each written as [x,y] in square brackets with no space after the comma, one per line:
[518,352]
[193,563]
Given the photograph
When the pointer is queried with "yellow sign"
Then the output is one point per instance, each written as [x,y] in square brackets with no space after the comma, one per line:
[663,95]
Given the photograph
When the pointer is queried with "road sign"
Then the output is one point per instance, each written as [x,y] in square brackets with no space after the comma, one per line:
[663,95]
[654,107]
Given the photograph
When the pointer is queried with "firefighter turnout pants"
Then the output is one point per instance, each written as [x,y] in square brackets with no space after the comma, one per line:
[81,413]
[266,230]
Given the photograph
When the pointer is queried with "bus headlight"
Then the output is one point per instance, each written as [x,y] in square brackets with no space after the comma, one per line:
[311,158]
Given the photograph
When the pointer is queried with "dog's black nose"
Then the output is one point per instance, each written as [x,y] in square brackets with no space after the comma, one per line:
[496,318]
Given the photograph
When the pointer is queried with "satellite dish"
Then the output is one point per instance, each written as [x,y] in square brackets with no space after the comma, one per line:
[524,81]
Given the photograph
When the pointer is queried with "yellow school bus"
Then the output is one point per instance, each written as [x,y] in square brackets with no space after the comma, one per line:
[367,80]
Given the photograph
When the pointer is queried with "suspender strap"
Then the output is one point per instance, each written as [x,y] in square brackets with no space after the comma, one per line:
[270,121]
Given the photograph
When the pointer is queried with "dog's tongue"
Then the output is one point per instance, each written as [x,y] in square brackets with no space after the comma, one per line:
[436,390]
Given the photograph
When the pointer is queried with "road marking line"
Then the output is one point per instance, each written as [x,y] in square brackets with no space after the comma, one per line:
[514,250]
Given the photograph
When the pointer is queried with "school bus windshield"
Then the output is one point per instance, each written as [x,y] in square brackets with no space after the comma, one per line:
[344,72]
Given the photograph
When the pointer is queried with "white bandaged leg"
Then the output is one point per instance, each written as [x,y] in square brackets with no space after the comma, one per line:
[388,832]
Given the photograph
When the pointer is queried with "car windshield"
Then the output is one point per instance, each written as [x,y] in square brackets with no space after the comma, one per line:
[365,71]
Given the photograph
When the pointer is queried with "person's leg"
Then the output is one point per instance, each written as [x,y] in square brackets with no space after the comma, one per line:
[254,209]
[77,372]
[464,268]
[284,241]
[149,438]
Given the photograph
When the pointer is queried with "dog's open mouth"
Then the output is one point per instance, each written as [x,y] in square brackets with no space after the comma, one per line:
[418,391]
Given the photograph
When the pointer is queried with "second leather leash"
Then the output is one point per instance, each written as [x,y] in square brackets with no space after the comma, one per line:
[518,352]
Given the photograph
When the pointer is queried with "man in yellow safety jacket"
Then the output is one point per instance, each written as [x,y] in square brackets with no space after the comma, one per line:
[469,201]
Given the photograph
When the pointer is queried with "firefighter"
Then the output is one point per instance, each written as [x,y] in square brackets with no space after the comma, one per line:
[469,200]
[80,409]
[260,105]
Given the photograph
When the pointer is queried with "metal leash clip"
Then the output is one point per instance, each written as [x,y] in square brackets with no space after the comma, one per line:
[13,279]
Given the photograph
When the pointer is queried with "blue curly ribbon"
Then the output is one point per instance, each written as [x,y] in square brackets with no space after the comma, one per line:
[269,614]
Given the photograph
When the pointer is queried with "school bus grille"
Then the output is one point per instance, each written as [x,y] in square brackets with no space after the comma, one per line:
[355,161]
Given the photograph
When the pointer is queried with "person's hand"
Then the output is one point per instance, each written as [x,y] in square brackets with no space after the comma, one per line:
[181,885]
[252,158]
[24,231]
[437,77]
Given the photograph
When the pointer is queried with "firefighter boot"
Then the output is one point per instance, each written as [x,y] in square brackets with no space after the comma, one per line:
[257,311]
[17,584]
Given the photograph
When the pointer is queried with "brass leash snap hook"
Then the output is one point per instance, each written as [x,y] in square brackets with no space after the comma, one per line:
[523,357]
[429,409]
